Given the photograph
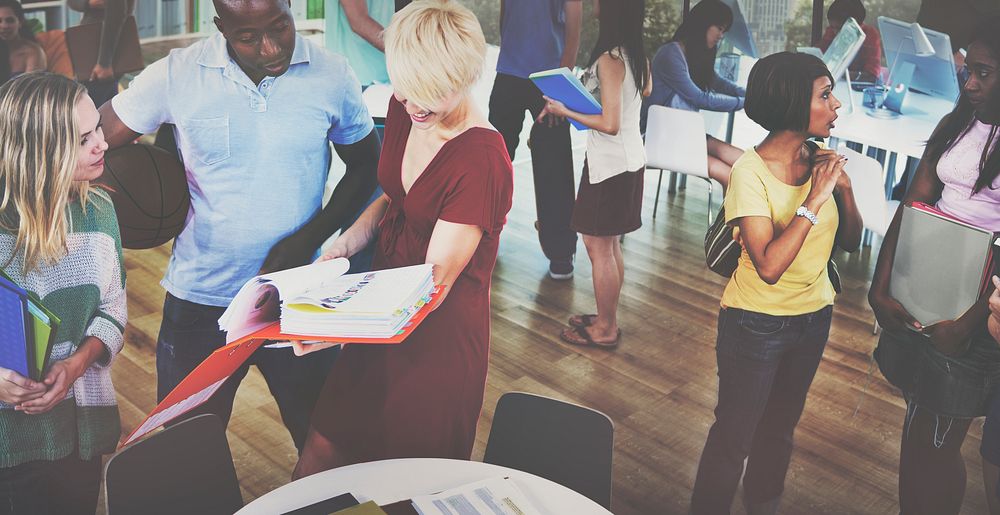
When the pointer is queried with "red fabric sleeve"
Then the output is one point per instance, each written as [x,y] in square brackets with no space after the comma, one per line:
[482,192]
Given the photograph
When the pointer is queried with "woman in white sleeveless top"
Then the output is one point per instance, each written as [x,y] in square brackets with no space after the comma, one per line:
[609,201]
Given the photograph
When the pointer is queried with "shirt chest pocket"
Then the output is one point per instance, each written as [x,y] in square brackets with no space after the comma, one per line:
[207,139]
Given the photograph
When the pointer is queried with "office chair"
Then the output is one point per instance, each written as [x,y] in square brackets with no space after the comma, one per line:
[562,442]
[675,142]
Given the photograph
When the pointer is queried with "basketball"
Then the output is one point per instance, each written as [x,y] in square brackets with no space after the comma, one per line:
[149,188]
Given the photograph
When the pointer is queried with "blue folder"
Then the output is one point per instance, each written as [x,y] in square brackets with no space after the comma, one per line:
[560,84]
[14,331]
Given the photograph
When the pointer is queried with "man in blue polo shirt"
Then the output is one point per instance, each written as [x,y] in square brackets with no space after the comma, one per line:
[255,108]
[537,35]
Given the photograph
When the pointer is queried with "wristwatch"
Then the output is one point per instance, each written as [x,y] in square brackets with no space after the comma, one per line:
[804,212]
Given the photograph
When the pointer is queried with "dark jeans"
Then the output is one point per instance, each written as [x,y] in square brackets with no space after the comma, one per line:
[766,365]
[551,160]
[68,486]
[190,332]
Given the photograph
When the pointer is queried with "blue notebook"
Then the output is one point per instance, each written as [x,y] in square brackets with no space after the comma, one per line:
[562,85]
[15,354]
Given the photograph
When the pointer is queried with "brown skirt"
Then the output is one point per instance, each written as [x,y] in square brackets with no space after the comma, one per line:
[611,207]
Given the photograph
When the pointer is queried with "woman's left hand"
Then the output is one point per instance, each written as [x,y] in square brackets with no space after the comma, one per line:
[301,349]
[59,378]
[553,108]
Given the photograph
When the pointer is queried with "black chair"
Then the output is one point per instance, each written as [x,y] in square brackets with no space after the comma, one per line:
[562,442]
[186,468]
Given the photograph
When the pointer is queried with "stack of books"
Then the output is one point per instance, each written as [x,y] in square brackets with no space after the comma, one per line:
[319,301]
[27,331]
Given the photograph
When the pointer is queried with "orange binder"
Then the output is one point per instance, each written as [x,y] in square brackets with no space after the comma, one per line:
[208,377]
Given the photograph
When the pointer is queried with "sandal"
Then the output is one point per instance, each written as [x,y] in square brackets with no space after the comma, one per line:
[586,340]
[582,320]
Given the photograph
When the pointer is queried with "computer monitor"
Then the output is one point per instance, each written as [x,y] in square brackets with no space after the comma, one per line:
[844,48]
[934,75]
[739,35]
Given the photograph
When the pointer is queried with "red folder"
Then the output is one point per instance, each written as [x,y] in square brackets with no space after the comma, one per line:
[207,377]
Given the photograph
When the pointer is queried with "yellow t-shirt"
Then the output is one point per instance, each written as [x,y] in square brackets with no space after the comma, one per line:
[805,286]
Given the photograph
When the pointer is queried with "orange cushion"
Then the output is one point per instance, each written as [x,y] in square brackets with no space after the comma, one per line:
[56,53]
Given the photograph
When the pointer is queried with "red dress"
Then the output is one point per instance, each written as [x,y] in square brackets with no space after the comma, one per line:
[422,398]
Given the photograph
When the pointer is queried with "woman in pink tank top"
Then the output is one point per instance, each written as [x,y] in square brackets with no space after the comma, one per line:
[949,373]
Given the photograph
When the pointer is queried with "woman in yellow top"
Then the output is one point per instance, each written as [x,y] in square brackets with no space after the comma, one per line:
[776,310]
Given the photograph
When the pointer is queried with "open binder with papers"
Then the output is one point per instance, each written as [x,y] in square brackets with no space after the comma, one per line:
[316,302]
[942,264]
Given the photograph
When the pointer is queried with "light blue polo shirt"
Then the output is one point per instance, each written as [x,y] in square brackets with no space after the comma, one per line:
[257,157]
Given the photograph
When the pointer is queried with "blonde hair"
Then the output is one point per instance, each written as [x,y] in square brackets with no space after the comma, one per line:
[39,145]
[434,48]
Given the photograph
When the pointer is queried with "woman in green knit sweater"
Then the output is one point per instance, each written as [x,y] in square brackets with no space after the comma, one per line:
[59,240]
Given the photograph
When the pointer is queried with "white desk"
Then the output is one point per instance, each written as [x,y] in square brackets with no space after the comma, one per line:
[390,481]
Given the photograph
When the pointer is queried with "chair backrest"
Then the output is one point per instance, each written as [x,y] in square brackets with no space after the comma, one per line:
[869,191]
[562,442]
[186,468]
[675,141]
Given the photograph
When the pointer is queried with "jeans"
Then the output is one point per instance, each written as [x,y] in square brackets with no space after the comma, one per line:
[551,160]
[67,486]
[766,365]
[190,332]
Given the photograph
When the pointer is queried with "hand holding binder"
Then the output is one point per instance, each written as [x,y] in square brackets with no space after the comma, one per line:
[15,388]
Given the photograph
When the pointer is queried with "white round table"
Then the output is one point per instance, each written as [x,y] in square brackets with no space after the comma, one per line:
[389,481]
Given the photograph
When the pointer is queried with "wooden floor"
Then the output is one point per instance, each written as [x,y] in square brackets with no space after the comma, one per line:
[659,387]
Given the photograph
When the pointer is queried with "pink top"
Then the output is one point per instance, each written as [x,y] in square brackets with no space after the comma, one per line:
[958,169]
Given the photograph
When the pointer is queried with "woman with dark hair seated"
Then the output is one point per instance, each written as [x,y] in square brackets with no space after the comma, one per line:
[868,63]
[25,54]
[790,203]
[949,373]
[684,77]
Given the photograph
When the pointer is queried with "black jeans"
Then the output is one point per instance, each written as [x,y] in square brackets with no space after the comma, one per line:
[190,332]
[551,160]
[67,486]
[766,365]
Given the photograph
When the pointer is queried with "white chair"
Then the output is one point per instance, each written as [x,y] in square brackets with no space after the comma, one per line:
[675,142]
[869,191]
[869,195]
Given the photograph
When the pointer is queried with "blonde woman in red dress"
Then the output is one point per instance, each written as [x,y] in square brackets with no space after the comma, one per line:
[448,183]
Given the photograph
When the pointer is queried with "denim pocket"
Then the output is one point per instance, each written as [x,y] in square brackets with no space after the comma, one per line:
[208,137]
[761,324]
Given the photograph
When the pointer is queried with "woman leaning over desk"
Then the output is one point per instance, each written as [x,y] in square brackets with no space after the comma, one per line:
[949,373]
[790,203]
[448,183]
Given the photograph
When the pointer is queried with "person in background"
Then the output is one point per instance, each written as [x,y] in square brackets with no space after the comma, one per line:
[25,55]
[256,144]
[867,65]
[991,474]
[684,77]
[609,203]
[448,184]
[4,62]
[64,248]
[354,29]
[539,35]
[111,14]
[790,203]
[949,372]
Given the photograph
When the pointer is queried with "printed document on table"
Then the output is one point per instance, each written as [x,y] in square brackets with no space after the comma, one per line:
[496,496]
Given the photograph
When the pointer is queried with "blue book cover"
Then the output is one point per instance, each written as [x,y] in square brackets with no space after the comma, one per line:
[560,84]
[14,331]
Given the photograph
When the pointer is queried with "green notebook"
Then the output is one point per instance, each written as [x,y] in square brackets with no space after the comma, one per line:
[43,328]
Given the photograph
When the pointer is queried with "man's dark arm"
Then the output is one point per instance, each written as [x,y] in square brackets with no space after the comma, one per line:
[349,197]
[116,133]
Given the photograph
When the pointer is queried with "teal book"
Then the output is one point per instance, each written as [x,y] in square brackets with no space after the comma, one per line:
[560,84]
